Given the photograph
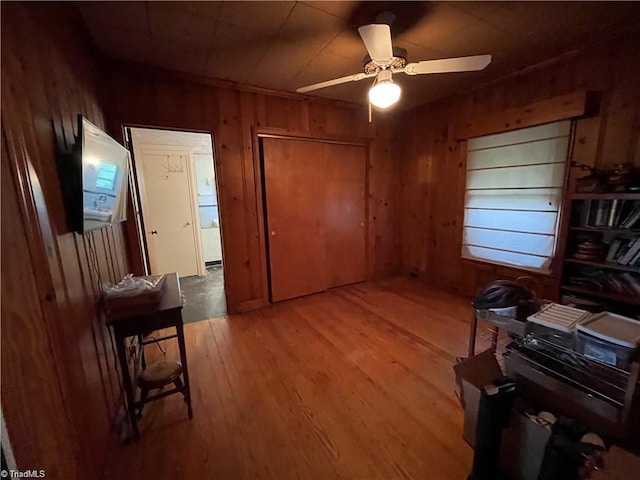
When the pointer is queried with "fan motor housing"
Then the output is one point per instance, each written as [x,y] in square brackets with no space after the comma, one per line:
[399,60]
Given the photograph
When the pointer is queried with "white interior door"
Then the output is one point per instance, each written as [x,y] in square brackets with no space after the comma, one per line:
[172,227]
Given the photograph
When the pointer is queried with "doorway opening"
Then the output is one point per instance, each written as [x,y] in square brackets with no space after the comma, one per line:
[177,214]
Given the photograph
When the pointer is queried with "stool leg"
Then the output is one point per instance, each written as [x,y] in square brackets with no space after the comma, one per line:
[185,371]
[144,393]
[179,385]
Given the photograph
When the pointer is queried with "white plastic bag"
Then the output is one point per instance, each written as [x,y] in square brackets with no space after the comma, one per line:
[131,286]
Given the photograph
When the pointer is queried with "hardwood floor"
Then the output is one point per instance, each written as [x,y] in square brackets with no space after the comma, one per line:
[356,382]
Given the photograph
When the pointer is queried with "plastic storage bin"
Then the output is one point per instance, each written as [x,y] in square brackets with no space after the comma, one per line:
[609,338]
[603,351]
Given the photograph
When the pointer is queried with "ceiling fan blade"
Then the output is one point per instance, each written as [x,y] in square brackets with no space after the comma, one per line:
[448,65]
[377,39]
[335,81]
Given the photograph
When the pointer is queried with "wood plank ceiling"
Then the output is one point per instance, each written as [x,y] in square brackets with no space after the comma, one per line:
[286,45]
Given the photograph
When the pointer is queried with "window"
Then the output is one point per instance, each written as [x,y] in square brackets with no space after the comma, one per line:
[513,196]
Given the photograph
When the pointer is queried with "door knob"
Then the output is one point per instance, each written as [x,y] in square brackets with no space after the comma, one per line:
[273,233]
[154,232]
[187,224]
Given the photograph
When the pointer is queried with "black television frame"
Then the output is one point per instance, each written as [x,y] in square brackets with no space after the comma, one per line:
[69,166]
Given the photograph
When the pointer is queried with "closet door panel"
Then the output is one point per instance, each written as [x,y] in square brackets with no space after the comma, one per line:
[344,213]
[294,173]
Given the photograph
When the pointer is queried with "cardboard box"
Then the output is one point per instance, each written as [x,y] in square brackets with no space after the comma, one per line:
[472,374]
[522,448]
[523,442]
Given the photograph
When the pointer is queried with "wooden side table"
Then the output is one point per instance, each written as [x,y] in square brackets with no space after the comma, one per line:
[140,321]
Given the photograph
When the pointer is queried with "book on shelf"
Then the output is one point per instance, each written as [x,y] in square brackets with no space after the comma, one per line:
[613,249]
[632,281]
[580,302]
[627,247]
[612,213]
[613,216]
[634,248]
[585,212]
[624,283]
[633,217]
[623,251]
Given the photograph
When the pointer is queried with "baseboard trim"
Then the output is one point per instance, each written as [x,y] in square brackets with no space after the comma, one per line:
[248,306]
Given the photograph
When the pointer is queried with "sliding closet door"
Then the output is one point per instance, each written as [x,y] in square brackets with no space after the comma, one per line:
[344,213]
[294,174]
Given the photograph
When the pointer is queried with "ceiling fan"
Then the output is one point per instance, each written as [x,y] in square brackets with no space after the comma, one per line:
[384,60]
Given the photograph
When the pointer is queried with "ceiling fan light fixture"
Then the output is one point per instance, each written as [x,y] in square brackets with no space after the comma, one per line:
[384,93]
[383,60]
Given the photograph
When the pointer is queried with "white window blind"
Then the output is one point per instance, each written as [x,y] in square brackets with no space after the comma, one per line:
[513,196]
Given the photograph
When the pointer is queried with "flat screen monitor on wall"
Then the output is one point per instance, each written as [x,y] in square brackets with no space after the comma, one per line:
[94,179]
[105,171]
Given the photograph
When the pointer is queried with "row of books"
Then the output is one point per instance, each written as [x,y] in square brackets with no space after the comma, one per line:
[624,251]
[611,213]
[625,283]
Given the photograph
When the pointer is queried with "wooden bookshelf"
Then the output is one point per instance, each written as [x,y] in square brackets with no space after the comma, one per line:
[613,276]
[612,266]
[612,230]
[605,196]
[617,297]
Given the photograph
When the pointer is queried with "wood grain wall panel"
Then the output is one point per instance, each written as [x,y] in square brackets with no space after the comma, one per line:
[623,101]
[49,78]
[100,341]
[587,140]
[33,404]
[253,219]
[515,118]
[242,265]
[433,176]
[149,97]
[383,205]
[278,113]
[422,160]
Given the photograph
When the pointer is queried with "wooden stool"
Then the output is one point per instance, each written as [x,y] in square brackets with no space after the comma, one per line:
[156,376]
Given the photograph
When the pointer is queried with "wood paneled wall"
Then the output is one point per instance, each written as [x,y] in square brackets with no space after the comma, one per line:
[433,172]
[59,380]
[147,97]
[60,383]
